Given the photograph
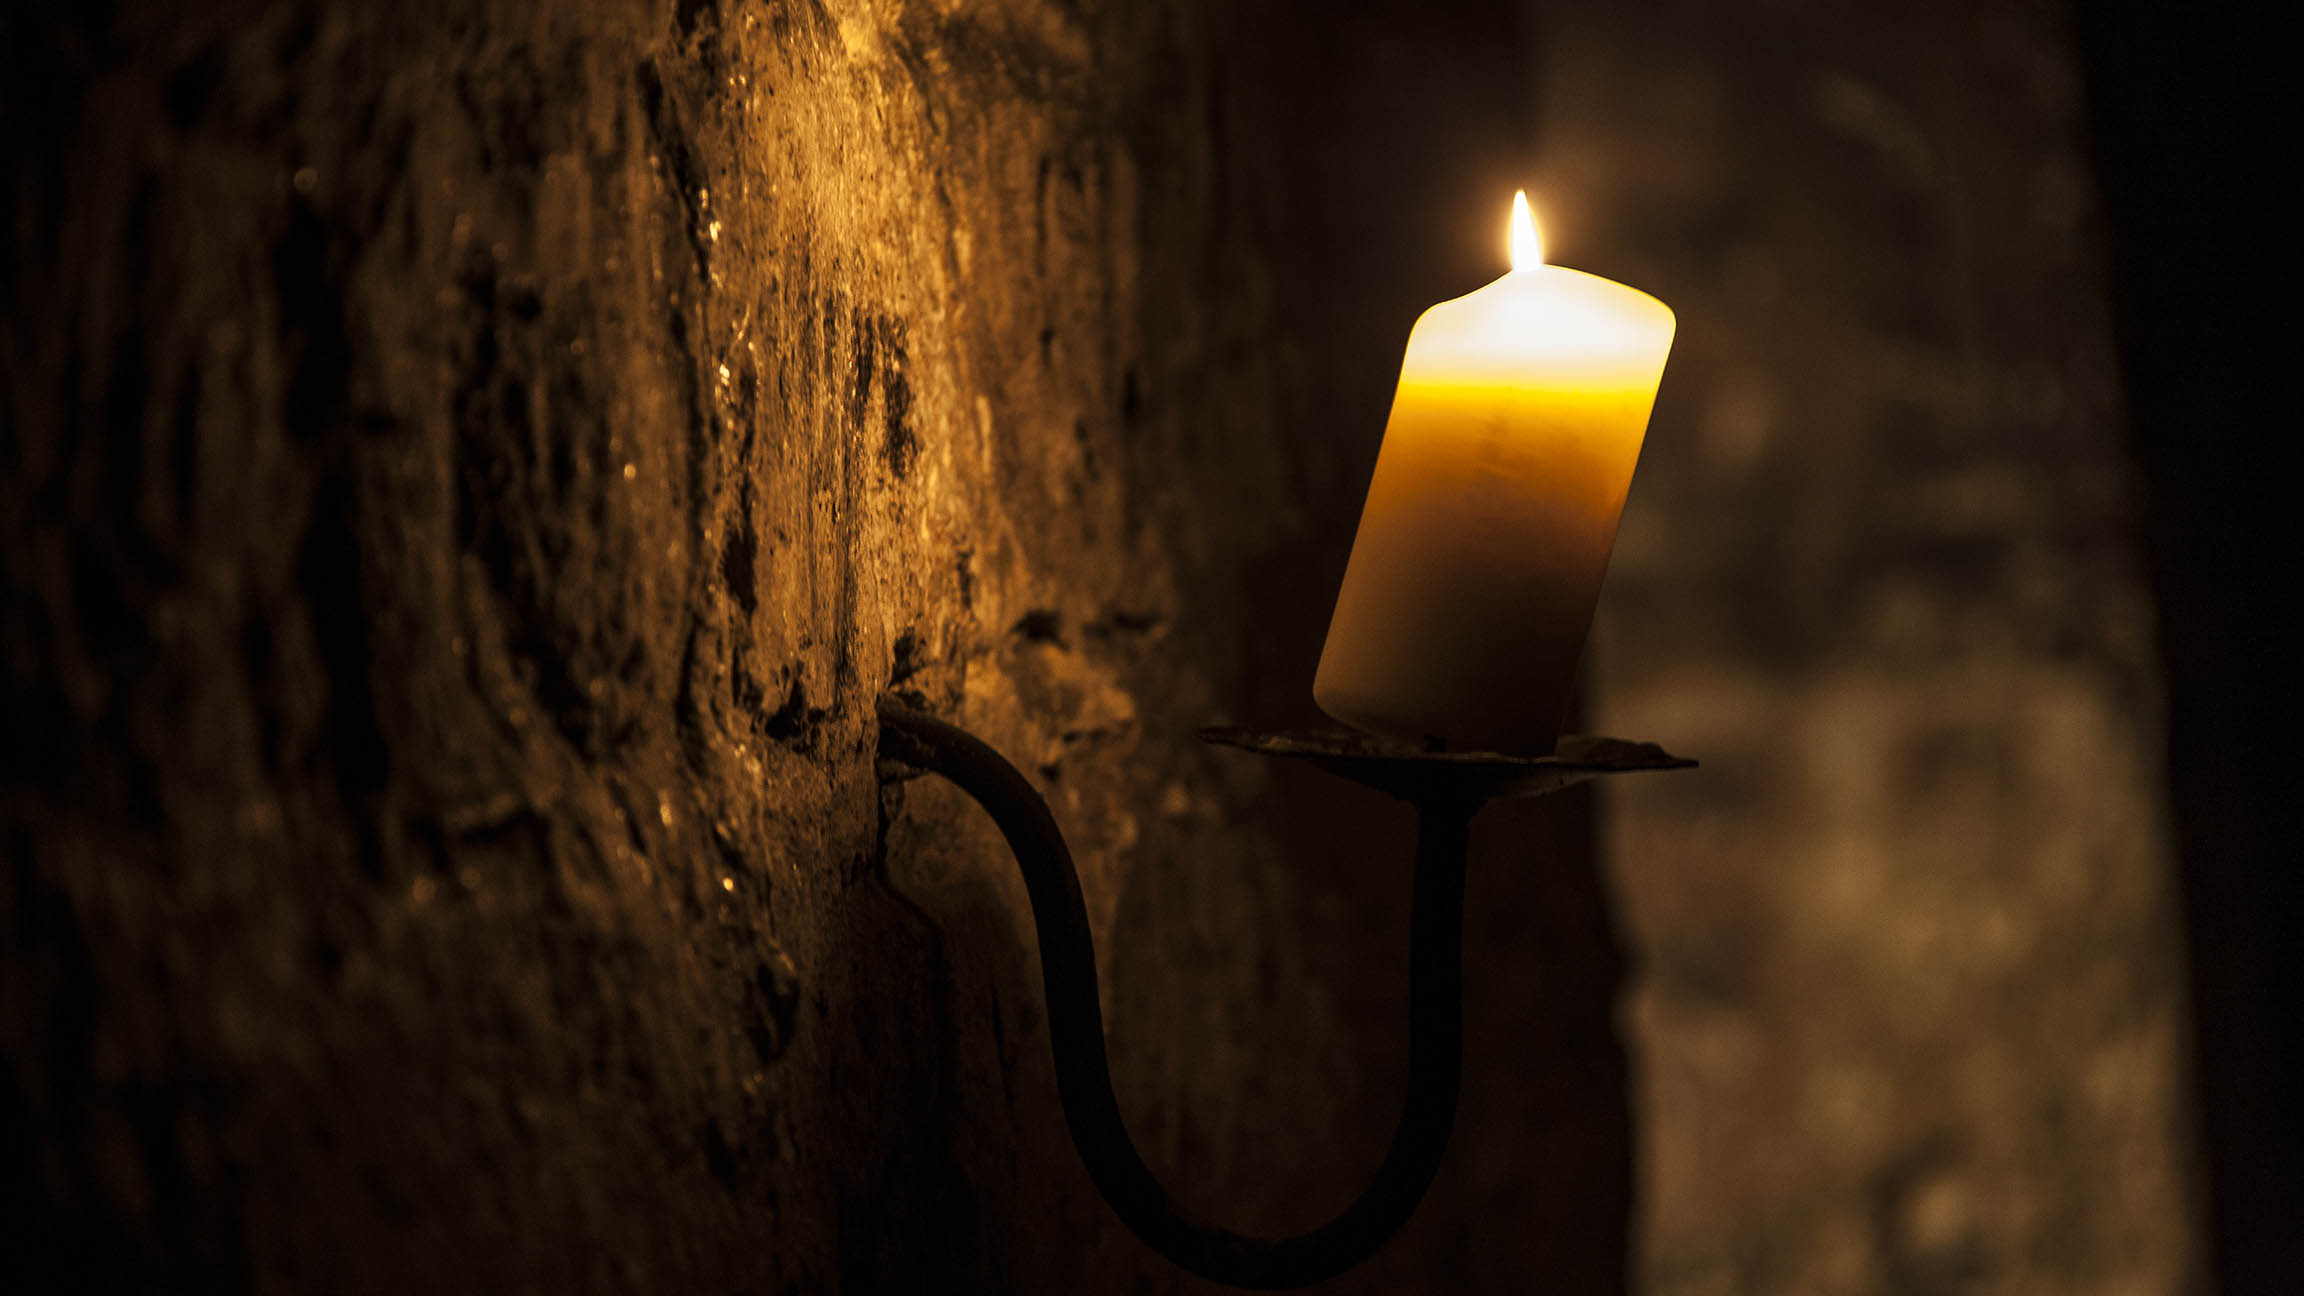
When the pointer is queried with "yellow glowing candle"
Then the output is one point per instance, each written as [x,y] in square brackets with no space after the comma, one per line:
[1513,435]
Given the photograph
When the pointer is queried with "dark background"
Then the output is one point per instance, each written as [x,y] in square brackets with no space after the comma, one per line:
[2184,106]
[469,470]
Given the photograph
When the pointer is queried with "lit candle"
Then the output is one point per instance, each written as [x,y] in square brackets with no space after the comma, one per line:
[1513,434]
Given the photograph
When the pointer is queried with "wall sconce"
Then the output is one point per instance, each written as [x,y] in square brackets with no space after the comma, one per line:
[1447,789]
[1505,462]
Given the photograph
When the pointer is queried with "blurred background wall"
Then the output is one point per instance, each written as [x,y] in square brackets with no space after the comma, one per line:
[1911,1012]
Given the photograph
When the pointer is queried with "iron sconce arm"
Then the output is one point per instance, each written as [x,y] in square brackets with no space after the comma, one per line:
[1447,789]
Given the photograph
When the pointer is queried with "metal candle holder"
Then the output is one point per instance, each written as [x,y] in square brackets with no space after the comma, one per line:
[1447,789]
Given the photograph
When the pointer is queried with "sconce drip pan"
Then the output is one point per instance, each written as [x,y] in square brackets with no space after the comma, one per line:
[1420,775]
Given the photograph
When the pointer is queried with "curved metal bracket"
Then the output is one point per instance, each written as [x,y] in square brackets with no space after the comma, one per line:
[1447,789]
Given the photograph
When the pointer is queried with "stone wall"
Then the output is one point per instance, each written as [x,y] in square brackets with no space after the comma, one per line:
[470,469]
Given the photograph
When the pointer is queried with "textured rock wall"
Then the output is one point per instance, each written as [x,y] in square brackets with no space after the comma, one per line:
[1910,1016]
[469,469]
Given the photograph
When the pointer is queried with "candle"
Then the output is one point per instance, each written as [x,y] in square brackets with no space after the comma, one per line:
[1513,434]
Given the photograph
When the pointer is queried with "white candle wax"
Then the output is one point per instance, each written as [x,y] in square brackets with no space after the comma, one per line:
[1472,582]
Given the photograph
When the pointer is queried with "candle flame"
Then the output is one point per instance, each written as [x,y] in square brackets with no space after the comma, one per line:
[1527,248]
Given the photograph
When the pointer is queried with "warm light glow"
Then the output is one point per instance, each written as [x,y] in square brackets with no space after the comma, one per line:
[1527,249]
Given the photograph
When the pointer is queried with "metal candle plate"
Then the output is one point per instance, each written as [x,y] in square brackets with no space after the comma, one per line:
[1417,774]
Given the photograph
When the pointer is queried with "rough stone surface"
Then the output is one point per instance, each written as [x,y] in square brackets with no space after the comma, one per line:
[469,469]
[1910,1017]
